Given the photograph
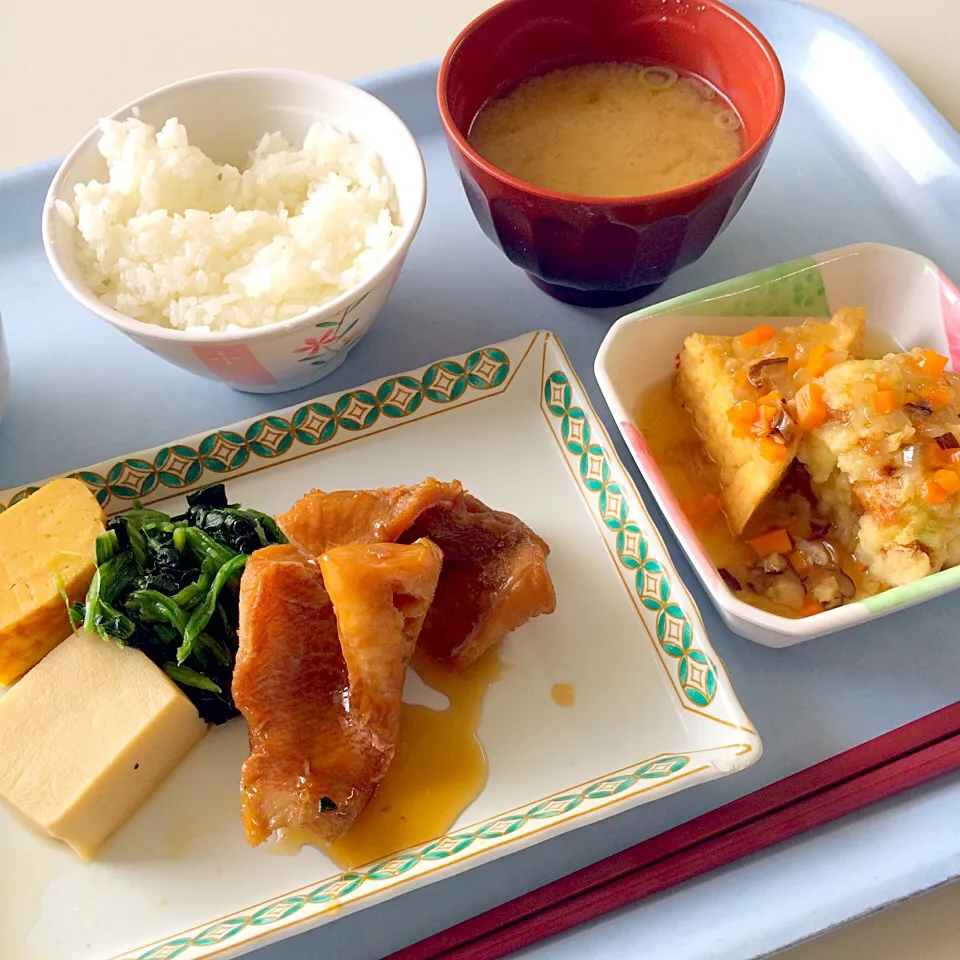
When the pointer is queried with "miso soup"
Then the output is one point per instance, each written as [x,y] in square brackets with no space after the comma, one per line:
[610,130]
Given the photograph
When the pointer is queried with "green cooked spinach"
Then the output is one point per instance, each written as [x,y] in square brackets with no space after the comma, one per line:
[169,586]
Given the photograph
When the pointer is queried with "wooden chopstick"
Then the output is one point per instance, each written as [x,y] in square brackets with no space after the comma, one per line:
[880,768]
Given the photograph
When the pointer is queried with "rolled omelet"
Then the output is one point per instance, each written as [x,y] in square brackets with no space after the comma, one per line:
[51,534]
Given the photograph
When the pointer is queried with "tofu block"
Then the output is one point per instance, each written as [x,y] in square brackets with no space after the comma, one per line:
[53,531]
[709,382]
[87,736]
[707,389]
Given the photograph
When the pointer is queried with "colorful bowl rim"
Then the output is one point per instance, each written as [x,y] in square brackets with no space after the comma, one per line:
[149,331]
[515,183]
[731,607]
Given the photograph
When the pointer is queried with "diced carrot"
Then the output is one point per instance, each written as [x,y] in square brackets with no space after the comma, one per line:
[809,608]
[931,363]
[947,480]
[798,562]
[710,504]
[744,411]
[756,336]
[944,458]
[701,510]
[773,541]
[937,395]
[772,449]
[741,416]
[885,401]
[774,396]
[818,362]
[933,493]
[766,414]
[811,407]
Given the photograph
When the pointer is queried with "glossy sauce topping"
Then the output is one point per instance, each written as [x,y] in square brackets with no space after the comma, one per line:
[439,769]
[562,694]
[610,130]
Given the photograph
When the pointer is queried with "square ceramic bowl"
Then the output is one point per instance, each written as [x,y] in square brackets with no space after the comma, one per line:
[907,298]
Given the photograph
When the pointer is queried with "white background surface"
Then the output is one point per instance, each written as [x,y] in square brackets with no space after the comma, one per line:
[62,65]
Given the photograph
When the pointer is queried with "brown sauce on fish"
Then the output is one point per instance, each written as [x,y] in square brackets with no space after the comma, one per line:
[439,769]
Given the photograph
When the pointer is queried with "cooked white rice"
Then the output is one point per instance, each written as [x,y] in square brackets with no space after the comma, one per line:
[174,239]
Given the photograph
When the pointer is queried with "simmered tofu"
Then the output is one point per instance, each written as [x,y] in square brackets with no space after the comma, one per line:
[87,736]
[738,391]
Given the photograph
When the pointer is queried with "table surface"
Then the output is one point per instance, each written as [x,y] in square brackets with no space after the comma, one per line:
[56,104]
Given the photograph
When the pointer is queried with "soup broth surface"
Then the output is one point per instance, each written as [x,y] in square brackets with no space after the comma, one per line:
[610,130]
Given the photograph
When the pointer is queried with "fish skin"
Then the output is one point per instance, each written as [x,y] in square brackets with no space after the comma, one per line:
[322,725]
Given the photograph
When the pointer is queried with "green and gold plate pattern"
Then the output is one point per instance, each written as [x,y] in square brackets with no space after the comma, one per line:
[654,709]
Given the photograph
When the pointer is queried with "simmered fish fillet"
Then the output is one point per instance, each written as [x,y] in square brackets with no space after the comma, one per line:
[478,602]
[494,575]
[494,578]
[322,705]
[381,594]
[319,520]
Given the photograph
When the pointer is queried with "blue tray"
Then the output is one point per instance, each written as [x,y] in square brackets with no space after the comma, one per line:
[860,155]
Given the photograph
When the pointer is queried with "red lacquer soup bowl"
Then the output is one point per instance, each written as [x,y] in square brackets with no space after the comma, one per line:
[600,251]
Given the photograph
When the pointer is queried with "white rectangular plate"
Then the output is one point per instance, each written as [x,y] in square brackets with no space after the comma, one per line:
[655,710]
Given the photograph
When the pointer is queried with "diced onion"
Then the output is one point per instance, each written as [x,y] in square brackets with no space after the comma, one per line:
[911,455]
[815,553]
[932,430]
[894,422]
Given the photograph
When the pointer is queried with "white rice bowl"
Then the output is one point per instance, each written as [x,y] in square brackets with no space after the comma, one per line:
[177,240]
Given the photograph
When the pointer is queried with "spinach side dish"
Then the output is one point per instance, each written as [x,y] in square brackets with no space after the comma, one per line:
[169,587]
